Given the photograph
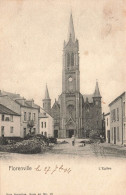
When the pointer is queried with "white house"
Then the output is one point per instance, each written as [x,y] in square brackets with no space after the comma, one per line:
[9,122]
[45,124]
[118,120]
[26,108]
[107,127]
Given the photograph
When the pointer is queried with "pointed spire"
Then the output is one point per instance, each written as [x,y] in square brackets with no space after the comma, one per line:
[71,33]
[47,93]
[97,92]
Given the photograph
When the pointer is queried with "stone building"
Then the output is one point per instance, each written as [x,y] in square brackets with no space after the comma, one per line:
[27,110]
[9,123]
[74,113]
[118,120]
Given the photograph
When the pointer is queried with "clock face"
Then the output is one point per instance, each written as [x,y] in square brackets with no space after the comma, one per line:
[70,79]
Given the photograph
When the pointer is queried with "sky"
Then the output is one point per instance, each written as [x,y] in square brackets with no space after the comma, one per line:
[31,46]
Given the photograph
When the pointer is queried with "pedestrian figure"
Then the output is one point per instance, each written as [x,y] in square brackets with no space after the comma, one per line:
[73,140]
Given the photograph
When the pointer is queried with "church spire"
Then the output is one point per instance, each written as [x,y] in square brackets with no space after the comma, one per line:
[97,92]
[71,33]
[47,93]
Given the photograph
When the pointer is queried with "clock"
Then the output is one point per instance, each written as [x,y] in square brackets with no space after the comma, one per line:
[70,79]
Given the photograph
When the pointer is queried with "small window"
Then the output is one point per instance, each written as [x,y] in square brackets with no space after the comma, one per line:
[112,133]
[42,124]
[7,118]
[2,130]
[25,117]
[107,121]
[45,124]
[29,116]
[3,117]
[45,134]
[34,117]
[117,114]
[11,129]
[118,137]
[11,118]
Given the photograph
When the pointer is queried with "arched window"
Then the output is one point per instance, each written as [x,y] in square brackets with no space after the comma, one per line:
[68,59]
[72,59]
[87,108]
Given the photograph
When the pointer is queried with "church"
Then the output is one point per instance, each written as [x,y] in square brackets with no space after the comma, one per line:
[74,113]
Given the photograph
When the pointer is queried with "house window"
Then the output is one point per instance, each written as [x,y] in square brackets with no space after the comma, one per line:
[107,121]
[11,118]
[3,117]
[25,117]
[7,118]
[117,114]
[118,138]
[112,133]
[124,131]
[45,124]
[29,117]
[34,116]
[45,134]
[123,108]
[113,115]
[42,124]
[2,130]
[11,129]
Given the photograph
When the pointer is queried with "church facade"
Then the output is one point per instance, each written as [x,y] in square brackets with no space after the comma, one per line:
[74,113]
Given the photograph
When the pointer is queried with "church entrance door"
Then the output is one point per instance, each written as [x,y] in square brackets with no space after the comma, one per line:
[56,133]
[70,133]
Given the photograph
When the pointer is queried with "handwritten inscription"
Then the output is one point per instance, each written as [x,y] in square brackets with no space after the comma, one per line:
[52,170]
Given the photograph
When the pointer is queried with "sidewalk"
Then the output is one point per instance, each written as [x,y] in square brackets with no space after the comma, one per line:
[119,147]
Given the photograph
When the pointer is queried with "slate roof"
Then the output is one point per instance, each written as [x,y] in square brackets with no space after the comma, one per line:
[5,110]
[17,98]
[11,95]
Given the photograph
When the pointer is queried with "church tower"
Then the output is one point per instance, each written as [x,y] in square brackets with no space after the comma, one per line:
[47,101]
[70,99]
[97,96]
[97,109]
